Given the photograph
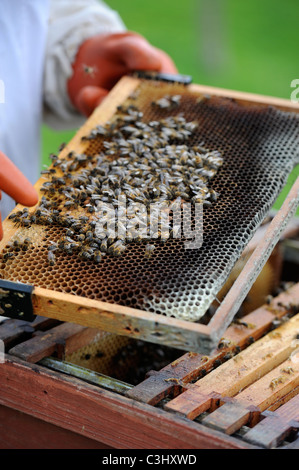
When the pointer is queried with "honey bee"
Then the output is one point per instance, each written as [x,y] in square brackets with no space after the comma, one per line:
[213,195]
[61,146]
[69,204]
[88,236]
[49,171]
[53,157]
[85,254]
[224,343]
[25,244]
[69,232]
[7,255]
[117,248]
[197,199]
[275,382]
[149,249]
[89,70]
[51,258]
[288,370]
[68,248]
[97,256]
[167,102]
[25,222]
[90,208]
[104,246]
[80,237]
[52,247]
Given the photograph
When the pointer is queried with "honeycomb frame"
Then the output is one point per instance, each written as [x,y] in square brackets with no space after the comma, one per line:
[136,322]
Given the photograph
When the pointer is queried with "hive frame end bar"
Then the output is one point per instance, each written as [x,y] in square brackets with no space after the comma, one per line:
[241,287]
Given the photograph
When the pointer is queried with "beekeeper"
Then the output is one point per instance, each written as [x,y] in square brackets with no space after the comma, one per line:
[58,60]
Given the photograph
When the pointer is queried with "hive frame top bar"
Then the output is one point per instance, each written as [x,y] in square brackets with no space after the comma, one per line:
[140,324]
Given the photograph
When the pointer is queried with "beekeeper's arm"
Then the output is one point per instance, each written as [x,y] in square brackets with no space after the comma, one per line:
[88,50]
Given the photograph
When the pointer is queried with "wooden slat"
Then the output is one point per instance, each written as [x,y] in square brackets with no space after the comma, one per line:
[14,331]
[119,319]
[62,339]
[239,372]
[106,417]
[246,98]
[271,431]
[284,399]
[248,404]
[191,365]
[230,417]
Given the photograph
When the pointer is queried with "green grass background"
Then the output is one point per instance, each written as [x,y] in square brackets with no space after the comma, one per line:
[246,45]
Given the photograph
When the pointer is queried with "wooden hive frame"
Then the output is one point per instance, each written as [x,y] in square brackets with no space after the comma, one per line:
[136,323]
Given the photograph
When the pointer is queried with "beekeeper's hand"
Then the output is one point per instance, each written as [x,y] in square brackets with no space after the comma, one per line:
[15,184]
[102,60]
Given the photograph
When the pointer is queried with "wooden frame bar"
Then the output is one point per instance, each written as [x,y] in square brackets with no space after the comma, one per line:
[239,372]
[106,417]
[276,426]
[189,367]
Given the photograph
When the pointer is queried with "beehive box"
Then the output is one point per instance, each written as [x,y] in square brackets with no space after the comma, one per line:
[165,298]
[244,395]
[133,394]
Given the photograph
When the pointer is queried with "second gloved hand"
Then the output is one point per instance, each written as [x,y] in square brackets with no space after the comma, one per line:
[102,60]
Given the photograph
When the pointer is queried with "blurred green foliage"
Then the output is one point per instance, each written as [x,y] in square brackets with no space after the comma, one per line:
[236,44]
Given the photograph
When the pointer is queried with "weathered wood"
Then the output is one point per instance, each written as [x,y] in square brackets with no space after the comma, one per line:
[239,372]
[284,399]
[191,365]
[14,331]
[276,426]
[229,418]
[103,416]
[22,431]
[64,339]
[120,320]
[248,404]
[246,98]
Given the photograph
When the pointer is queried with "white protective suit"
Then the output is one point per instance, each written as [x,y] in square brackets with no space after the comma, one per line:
[39,40]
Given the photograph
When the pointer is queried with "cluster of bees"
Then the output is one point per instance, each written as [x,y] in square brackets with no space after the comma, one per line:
[168,102]
[145,162]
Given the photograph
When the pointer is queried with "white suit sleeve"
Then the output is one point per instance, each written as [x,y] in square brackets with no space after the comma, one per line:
[71,22]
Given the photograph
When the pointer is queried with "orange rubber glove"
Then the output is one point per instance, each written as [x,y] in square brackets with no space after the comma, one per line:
[102,60]
[15,184]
